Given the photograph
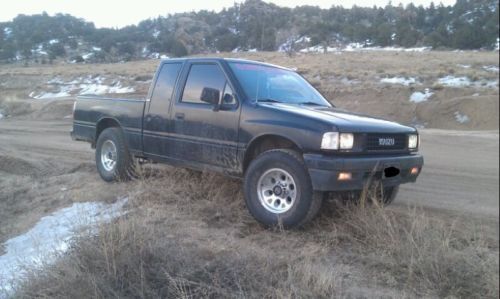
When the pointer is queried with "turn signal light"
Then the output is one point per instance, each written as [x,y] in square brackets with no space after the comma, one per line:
[345,176]
[414,171]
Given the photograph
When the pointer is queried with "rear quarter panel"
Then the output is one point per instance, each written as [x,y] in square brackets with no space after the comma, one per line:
[128,113]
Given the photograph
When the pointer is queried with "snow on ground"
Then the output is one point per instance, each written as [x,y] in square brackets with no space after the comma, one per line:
[418,97]
[461,118]
[464,66]
[100,89]
[81,86]
[1,115]
[452,81]
[51,237]
[399,80]
[491,68]
[51,95]
[318,49]
[357,47]
[87,56]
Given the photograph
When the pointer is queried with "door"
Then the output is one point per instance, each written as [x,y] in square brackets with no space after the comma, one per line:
[157,124]
[204,134]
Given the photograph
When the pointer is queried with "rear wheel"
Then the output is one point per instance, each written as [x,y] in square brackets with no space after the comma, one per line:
[112,157]
[278,189]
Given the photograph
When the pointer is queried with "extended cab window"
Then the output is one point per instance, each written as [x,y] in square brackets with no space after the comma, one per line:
[203,76]
[164,87]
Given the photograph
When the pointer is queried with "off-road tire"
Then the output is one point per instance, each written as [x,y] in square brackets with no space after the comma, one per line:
[124,168]
[307,202]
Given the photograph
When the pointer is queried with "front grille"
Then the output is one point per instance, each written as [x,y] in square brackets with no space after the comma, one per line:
[385,142]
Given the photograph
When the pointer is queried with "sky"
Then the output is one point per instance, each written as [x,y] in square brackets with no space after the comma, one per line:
[119,13]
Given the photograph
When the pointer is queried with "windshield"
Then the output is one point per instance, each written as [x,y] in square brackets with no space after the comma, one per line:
[267,83]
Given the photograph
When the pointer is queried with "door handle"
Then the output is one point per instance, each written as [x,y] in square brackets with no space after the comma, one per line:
[179,116]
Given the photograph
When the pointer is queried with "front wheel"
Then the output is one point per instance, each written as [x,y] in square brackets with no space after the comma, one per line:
[278,189]
[112,157]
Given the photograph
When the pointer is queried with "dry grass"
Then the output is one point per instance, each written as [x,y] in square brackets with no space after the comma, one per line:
[183,238]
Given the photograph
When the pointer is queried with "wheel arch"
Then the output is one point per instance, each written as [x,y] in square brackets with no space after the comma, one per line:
[267,142]
[102,124]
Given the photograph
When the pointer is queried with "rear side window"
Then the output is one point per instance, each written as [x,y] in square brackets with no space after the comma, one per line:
[203,76]
[164,87]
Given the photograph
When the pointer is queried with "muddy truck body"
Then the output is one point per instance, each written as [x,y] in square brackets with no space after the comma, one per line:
[259,122]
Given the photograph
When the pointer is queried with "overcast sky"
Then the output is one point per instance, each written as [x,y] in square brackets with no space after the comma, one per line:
[119,13]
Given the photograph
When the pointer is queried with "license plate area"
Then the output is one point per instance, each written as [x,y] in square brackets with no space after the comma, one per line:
[391,171]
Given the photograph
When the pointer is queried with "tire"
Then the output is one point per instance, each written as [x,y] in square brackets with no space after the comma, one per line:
[278,190]
[390,194]
[112,157]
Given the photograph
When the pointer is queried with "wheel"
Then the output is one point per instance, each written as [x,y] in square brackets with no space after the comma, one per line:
[278,190]
[112,157]
[390,194]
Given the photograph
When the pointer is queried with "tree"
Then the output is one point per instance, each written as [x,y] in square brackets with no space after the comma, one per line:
[178,49]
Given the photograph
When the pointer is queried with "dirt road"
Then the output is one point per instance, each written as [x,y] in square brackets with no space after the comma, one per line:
[42,170]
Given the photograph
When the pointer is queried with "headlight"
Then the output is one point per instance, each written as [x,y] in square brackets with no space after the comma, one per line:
[346,141]
[336,140]
[413,141]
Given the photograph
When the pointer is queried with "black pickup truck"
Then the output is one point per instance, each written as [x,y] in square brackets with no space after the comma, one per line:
[263,123]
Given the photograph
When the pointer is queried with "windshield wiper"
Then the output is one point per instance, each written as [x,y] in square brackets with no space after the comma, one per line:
[267,100]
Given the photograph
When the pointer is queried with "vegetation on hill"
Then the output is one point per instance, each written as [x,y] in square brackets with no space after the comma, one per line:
[253,24]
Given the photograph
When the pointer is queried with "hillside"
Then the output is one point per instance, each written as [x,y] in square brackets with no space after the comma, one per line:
[253,26]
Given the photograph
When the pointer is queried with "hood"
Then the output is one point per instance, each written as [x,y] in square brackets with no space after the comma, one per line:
[344,121]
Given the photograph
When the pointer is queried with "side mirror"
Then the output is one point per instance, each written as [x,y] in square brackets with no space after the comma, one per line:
[211,96]
[228,99]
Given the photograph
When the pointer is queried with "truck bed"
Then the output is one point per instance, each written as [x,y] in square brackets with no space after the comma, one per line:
[92,111]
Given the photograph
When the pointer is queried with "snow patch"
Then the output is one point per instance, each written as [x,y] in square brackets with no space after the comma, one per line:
[51,237]
[53,41]
[7,31]
[352,47]
[464,66]
[97,49]
[82,86]
[51,95]
[319,49]
[399,80]
[99,89]
[461,118]
[453,81]
[418,97]
[1,115]
[87,56]
[491,68]
[252,50]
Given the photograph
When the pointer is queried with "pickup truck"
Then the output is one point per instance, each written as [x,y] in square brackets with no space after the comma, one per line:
[259,122]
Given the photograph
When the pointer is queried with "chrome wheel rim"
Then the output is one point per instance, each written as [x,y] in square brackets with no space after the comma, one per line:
[277,190]
[108,155]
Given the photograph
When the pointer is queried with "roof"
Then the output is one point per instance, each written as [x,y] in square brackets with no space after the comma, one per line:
[227,60]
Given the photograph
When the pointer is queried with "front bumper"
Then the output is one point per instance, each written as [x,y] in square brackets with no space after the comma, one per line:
[324,170]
